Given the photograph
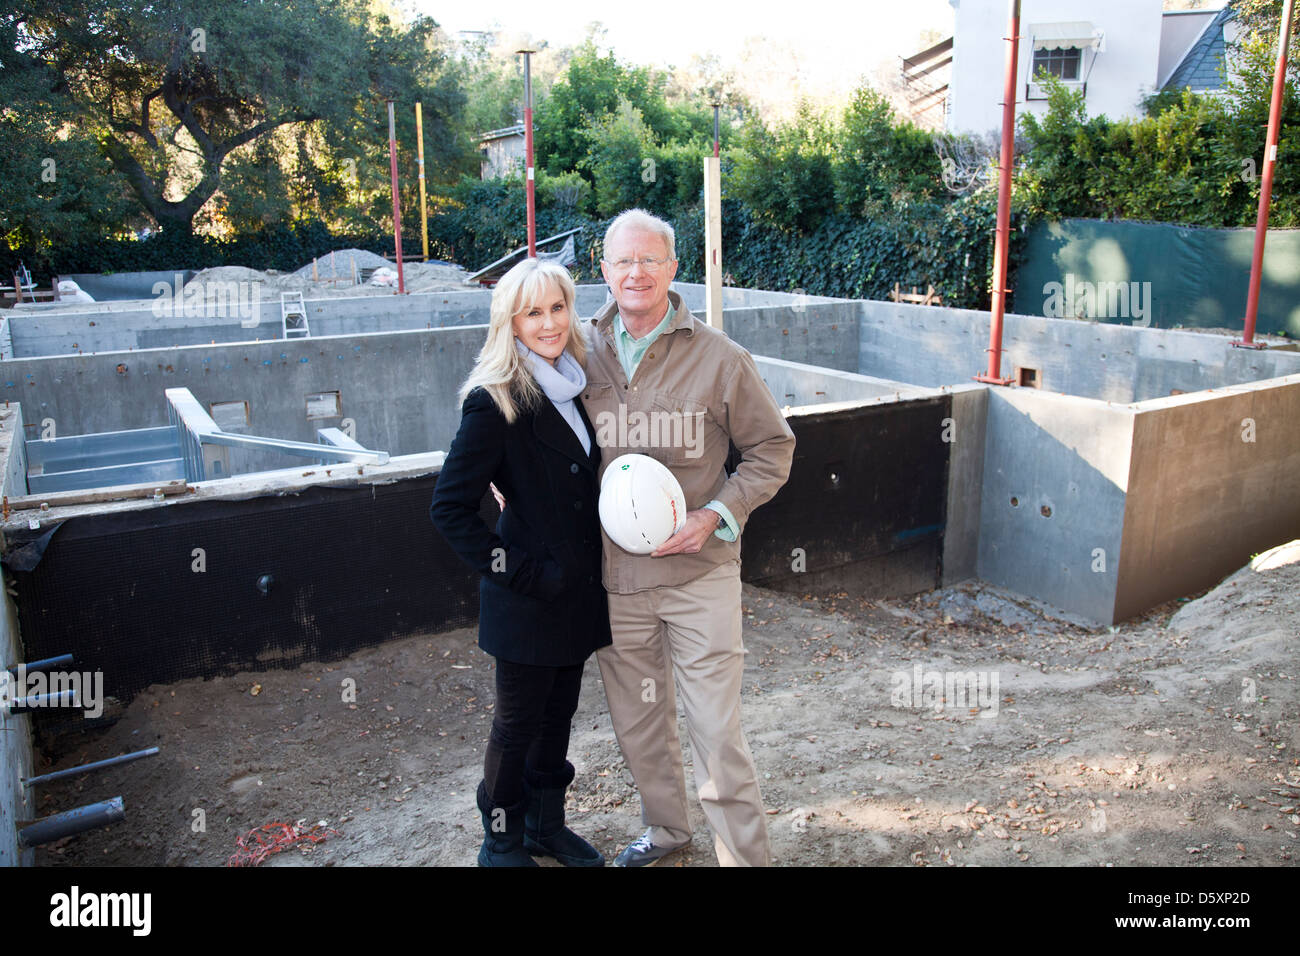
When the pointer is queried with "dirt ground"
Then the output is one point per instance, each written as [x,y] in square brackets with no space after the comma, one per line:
[1169,740]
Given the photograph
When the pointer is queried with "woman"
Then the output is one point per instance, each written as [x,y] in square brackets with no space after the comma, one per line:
[542,607]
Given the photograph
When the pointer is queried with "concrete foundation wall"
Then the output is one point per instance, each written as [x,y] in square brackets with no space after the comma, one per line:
[922,345]
[15,729]
[824,334]
[930,345]
[966,434]
[1065,460]
[399,389]
[864,507]
[63,329]
[1053,496]
[12,435]
[795,384]
[143,327]
[15,745]
[352,560]
[1212,481]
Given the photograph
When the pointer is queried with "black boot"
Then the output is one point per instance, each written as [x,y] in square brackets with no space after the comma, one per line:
[544,831]
[503,832]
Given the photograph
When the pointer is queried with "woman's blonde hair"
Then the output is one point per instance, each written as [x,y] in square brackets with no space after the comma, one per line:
[500,369]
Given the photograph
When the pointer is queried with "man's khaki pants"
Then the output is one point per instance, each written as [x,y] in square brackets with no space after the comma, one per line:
[696,628]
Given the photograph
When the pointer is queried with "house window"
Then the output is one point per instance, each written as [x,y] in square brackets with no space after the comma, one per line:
[1062,63]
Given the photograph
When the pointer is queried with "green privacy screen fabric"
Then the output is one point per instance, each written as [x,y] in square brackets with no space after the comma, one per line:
[1157,274]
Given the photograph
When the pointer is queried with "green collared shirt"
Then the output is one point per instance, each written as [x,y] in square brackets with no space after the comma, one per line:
[630,350]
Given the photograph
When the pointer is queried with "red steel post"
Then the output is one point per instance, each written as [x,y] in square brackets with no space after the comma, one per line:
[1266,183]
[1001,241]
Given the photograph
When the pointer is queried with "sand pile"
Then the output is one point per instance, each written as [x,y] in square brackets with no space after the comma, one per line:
[334,276]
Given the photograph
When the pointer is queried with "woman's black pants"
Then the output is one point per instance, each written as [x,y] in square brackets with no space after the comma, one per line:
[530,727]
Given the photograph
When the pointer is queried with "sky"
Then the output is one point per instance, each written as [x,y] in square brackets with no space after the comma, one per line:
[838,41]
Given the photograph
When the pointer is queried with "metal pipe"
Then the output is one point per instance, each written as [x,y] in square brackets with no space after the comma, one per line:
[715,129]
[397,205]
[1266,183]
[529,184]
[72,822]
[88,767]
[63,698]
[1002,238]
[419,161]
[48,663]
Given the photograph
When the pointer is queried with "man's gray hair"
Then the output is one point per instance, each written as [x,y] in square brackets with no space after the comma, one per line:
[640,219]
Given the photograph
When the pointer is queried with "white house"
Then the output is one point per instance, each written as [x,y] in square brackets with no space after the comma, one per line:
[1116,51]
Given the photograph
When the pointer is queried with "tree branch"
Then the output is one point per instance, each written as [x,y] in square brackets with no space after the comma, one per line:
[265,126]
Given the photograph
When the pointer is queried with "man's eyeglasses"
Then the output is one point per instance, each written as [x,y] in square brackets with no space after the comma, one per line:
[647,263]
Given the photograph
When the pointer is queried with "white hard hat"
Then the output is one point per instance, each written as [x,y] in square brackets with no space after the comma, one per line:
[641,503]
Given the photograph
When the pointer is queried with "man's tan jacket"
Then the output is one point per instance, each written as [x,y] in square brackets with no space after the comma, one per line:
[694,390]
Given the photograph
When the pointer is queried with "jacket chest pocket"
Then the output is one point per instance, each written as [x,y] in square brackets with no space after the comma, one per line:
[677,428]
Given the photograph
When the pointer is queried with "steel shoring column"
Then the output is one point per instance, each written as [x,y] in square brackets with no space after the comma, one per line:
[1001,241]
[397,205]
[529,183]
[1247,339]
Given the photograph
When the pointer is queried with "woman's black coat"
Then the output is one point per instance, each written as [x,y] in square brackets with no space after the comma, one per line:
[541,600]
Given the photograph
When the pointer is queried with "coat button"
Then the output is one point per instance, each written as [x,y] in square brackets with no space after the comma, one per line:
[577,506]
[573,469]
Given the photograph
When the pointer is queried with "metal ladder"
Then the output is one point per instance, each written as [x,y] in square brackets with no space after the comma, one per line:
[293,316]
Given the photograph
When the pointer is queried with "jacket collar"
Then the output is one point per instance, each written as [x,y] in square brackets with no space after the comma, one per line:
[682,318]
[551,429]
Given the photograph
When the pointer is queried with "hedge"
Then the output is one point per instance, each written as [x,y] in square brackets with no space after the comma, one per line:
[947,245]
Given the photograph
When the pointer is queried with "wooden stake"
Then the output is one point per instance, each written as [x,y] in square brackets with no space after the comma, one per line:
[713,241]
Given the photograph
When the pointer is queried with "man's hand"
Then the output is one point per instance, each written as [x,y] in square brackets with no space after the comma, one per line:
[501,501]
[699,525]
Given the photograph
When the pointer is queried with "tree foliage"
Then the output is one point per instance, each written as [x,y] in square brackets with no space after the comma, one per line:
[171,91]
[593,88]
[53,179]
[1193,160]
[860,164]
[786,173]
[880,159]
[1261,19]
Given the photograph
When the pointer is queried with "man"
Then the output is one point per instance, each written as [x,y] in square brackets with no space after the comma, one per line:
[664,384]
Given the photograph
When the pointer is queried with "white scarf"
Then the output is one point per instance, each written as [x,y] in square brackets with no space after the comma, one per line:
[561,382]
